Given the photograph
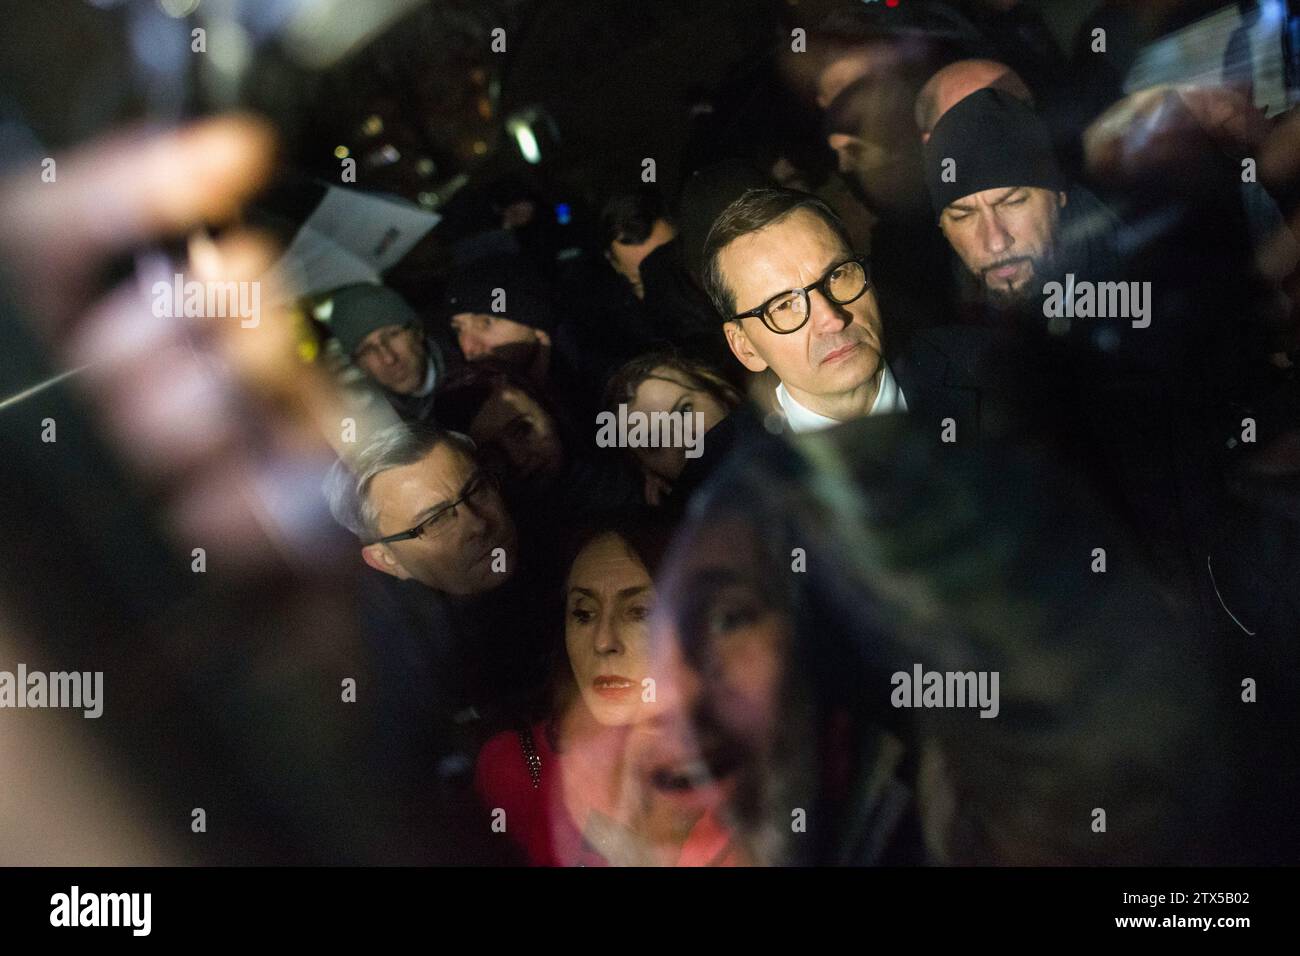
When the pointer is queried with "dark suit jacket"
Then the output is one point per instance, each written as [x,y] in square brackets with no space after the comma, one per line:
[981,379]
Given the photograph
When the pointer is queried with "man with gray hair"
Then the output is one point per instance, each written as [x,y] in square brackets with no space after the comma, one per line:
[454,621]
[425,511]
[450,622]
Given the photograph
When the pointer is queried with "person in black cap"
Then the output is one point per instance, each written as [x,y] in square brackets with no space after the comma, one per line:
[633,225]
[384,337]
[672,273]
[500,308]
[603,292]
[1006,208]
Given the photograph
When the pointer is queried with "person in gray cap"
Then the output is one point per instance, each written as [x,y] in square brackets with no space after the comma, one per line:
[385,338]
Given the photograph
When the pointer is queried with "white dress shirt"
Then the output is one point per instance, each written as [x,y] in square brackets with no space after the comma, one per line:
[889,400]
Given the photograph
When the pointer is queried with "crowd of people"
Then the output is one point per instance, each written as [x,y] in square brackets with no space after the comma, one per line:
[1018,400]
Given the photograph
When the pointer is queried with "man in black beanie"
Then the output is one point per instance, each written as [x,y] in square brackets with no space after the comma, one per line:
[500,308]
[385,338]
[1003,203]
[997,190]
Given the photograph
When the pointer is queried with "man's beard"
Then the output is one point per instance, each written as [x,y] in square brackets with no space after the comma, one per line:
[1001,295]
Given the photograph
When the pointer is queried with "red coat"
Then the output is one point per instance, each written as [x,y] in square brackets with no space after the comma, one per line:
[537,821]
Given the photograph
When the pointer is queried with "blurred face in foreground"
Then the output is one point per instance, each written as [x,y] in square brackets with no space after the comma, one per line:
[721,650]
[1006,238]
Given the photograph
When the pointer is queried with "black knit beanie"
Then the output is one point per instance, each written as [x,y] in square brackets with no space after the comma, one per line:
[995,142]
[526,298]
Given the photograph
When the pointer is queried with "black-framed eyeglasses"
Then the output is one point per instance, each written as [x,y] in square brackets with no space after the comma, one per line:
[788,312]
[445,516]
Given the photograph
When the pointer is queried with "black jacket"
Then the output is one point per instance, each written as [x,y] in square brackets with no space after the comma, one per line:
[982,379]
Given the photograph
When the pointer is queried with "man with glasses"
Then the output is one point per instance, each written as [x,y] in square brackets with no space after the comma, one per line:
[799,301]
[451,621]
[425,511]
[453,615]
[781,265]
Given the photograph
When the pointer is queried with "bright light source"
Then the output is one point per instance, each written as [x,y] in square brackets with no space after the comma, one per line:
[341,152]
[526,141]
[178,8]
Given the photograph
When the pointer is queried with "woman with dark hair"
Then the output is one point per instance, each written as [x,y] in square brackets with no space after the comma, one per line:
[608,775]
[813,580]
[668,382]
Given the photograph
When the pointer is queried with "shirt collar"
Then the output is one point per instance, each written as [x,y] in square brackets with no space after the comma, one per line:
[889,399]
[430,379]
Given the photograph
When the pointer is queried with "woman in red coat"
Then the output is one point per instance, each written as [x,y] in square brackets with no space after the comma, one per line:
[611,776]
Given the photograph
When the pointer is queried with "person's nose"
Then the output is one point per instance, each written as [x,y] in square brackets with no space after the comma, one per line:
[477,517]
[827,317]
[607,640]
[994,236]
[842,145]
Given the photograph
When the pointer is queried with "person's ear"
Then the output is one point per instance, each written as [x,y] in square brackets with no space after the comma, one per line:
[615,262]
[742,348]
[925,137]
[382,559]
[1061,199]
